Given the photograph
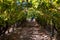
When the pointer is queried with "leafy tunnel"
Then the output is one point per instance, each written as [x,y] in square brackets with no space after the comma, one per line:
[45,12]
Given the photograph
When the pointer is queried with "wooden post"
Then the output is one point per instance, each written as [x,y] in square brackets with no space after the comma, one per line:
[51,29]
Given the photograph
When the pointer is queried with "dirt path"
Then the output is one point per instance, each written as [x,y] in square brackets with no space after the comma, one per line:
[28,31]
